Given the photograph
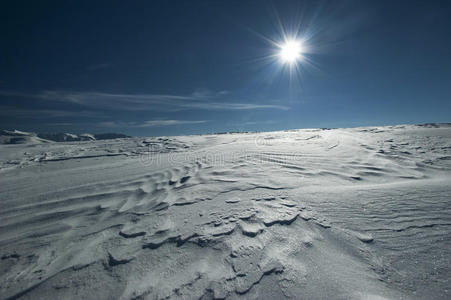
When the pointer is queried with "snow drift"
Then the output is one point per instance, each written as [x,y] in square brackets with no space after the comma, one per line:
[360,213]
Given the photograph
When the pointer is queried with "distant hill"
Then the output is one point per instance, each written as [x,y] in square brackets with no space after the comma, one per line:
[66,137]
[21,137]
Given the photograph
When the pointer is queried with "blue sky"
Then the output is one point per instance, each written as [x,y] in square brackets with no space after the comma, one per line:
[188,67]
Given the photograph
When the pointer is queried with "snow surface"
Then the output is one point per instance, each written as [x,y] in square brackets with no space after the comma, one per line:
[360,213]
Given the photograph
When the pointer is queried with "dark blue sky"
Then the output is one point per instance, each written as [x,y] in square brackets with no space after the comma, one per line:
[184,67]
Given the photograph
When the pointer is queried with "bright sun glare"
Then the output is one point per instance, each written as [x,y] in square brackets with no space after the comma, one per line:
[291,51]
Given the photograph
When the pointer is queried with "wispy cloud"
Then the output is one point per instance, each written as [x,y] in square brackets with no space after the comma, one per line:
[150,123]
[37,113]
[202,99]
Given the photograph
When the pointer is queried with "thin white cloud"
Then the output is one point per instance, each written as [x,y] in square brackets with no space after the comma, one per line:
[235,106]
[155,123]
[200,99]
[150,123]
[6,110]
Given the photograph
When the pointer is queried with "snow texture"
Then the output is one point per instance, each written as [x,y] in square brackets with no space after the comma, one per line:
[361,213]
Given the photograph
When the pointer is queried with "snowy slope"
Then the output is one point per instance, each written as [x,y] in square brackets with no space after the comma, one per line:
[360,213]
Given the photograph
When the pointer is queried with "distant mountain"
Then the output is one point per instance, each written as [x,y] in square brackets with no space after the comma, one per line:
[21,137]
[66,137]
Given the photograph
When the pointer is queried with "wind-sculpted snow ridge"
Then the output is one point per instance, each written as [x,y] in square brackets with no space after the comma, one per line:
[359,213]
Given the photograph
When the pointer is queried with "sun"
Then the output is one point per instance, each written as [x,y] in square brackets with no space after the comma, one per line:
[291,51]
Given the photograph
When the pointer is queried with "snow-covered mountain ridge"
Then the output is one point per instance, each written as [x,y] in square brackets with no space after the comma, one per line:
[22,137]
